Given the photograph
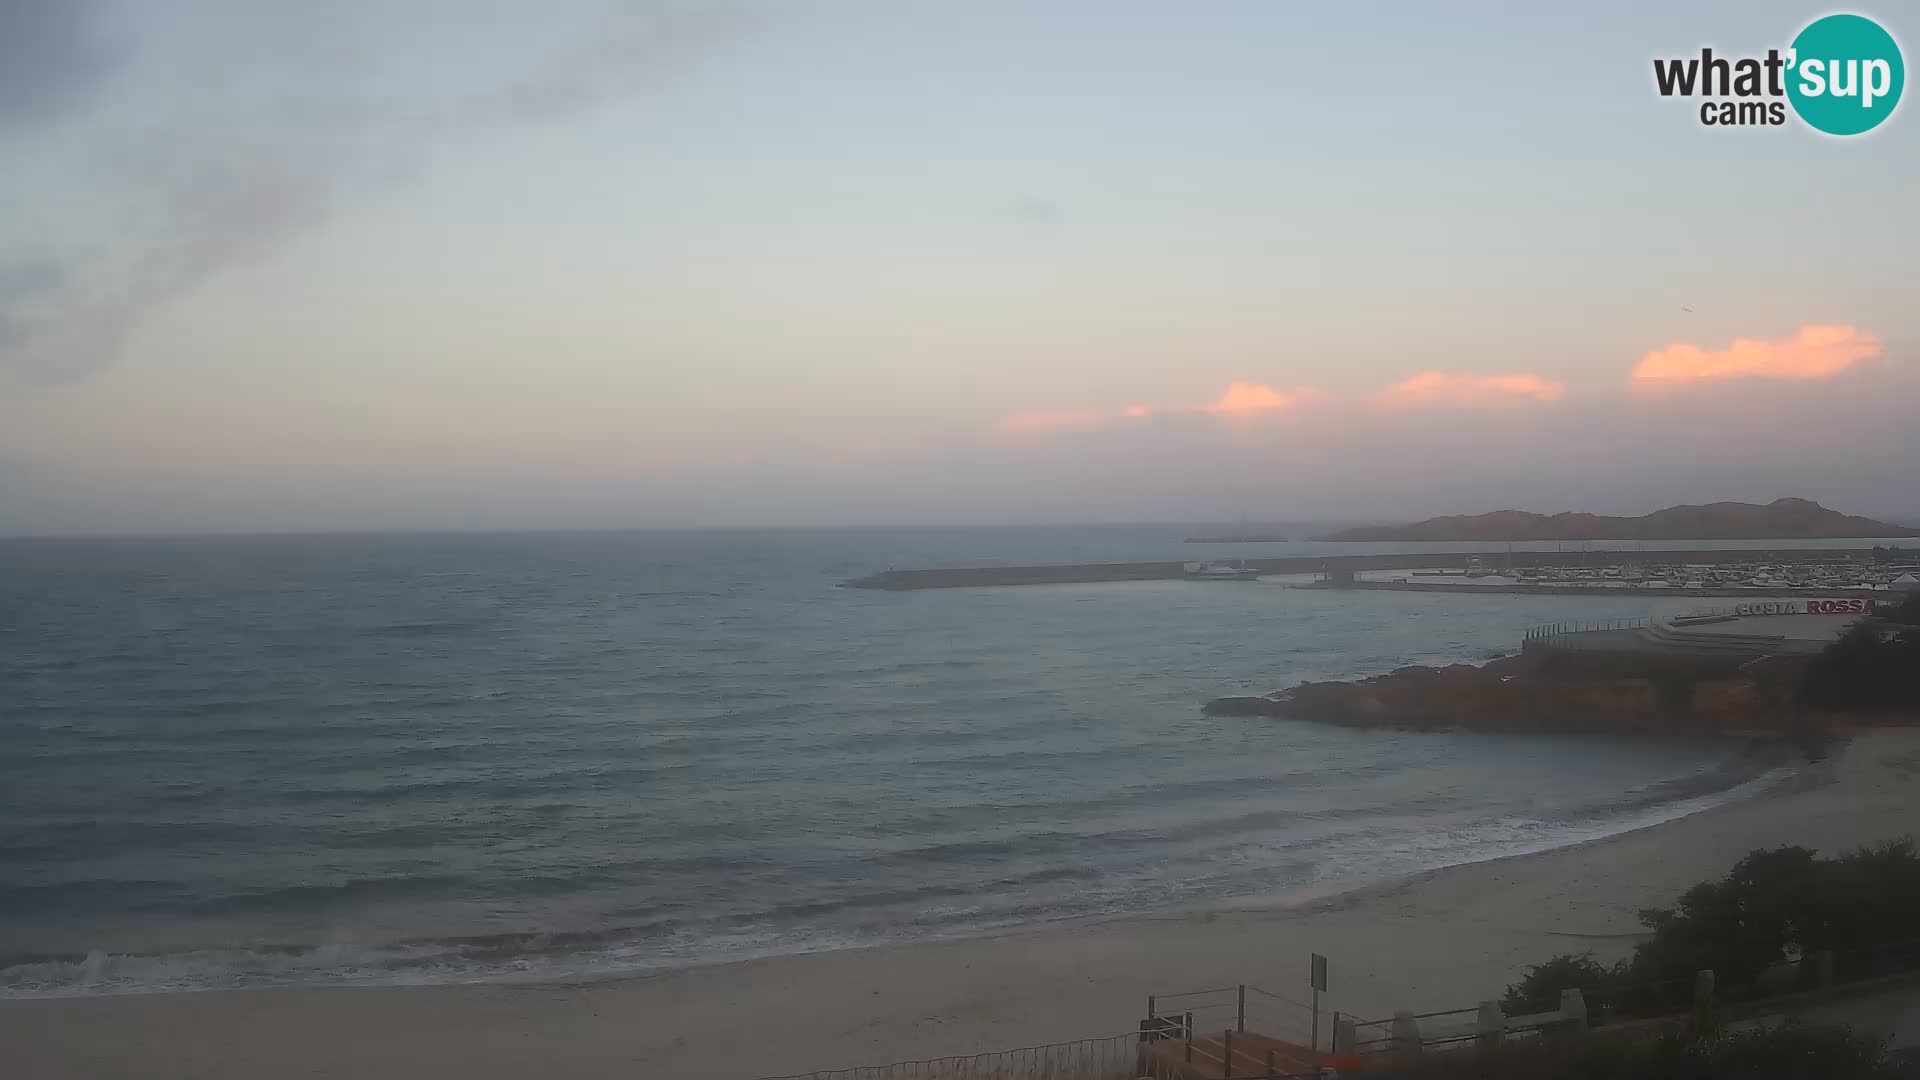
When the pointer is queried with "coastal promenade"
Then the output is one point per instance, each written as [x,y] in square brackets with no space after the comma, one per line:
[1079,573]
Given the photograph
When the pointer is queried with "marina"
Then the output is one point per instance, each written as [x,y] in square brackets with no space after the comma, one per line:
[1854,576]
[1577,589]
[1731,572]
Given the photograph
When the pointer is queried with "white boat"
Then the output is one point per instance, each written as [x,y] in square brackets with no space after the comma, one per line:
[1218,571]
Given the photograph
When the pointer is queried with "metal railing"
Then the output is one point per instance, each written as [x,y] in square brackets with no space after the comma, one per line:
[1243,1031]
[1115,1057]
[1371,1036]
[1584,626]
[1702,615]
[1176,1059]
[1626,1008]
[1240,1007]
[1608,1003]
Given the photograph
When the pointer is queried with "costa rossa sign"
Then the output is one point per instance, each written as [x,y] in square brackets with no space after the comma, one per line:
[1853,606]
[1846,606]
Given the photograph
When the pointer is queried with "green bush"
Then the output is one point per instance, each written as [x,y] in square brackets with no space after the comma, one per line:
[1767,911]
[1789,1052]
[1865,671]
[1776,906]
[1539,989]
[1797,1052]
[1906,612]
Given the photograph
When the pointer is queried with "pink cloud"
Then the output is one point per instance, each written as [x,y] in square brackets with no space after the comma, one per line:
[1044,423]
[1816,352]
[1243,398]
[1460,390]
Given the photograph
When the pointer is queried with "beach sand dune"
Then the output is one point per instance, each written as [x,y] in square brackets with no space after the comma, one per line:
[1445,939]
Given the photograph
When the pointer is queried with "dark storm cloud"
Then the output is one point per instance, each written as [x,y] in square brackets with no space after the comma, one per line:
[52,58]
[259,183]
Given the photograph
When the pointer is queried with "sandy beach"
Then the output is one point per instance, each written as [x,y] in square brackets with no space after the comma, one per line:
[1442,940]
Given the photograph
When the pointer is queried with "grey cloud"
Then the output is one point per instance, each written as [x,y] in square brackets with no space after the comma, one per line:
[232,205]
[254,188]
[1038,211]
[639,51]
[25,278]
[214,210]
[52,56]
[20,282]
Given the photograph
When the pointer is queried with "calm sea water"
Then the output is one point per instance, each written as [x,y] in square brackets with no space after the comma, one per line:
[402,759]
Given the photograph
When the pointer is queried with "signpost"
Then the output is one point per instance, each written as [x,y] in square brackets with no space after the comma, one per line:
[1319,977]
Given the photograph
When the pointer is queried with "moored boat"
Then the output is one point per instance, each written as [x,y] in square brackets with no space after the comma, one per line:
[1218,571]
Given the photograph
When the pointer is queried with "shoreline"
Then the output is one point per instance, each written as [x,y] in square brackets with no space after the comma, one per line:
[1785,769]
[1437,939]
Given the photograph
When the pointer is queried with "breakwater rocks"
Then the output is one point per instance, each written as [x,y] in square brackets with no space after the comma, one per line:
[1521,693]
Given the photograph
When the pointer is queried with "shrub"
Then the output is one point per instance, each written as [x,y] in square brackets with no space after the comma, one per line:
[1906,612]
[1789,1052]
[1539,989]
[1766,911]
[1776,906]
[1865,671]
[1794,1051]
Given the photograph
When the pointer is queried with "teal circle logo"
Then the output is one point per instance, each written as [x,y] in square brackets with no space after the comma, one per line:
[1845,74]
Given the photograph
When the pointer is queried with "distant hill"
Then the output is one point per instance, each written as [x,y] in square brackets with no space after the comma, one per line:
[1781,519]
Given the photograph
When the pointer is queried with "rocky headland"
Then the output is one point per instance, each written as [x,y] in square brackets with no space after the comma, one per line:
[1525,693]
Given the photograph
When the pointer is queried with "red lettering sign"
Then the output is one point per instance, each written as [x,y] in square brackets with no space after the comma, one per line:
[1851,606]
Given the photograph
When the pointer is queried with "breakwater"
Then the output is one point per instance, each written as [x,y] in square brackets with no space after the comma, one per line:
[1592,589]
[1080,573]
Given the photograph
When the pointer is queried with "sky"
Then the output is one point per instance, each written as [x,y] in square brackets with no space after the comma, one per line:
[272,267]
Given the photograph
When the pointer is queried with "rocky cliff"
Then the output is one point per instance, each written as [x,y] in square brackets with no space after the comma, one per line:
[1521,694]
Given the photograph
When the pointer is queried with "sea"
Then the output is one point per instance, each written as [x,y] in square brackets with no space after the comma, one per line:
[357,760]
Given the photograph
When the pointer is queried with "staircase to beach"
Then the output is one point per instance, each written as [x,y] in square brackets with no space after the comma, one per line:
[1231,1054]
